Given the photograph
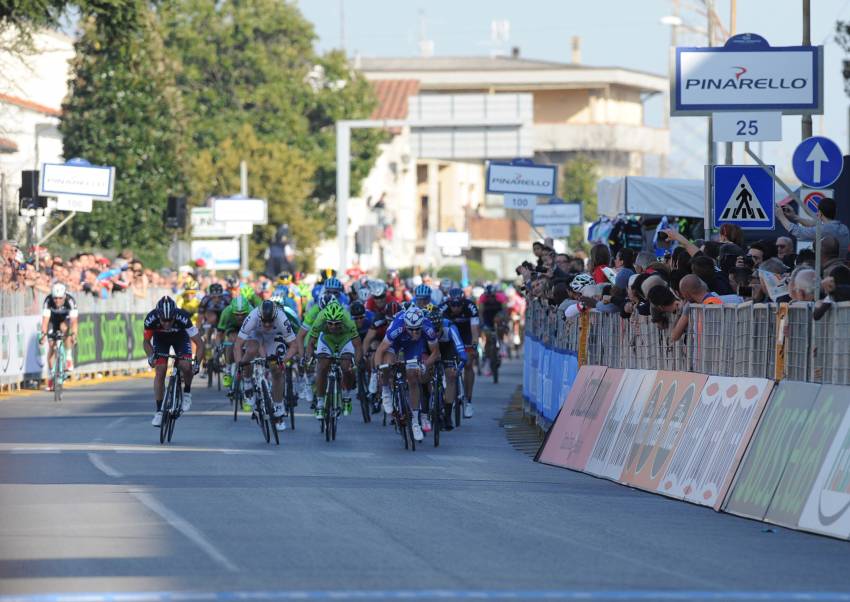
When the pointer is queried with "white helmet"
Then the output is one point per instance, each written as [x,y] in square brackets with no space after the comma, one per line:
[580,281]
[414,317]
[378,288]
[363,294]
[59,290]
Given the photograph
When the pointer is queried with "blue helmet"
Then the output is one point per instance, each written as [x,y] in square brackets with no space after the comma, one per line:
[423,291]
[333,284]
[456,294]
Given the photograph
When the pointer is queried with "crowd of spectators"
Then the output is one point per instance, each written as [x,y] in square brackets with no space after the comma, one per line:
[83,273]
[678,272]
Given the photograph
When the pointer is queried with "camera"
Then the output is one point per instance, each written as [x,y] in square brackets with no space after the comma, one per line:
[662,237]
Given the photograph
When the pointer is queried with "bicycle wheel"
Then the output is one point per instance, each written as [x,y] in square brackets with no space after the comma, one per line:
[262,412]
[58,371]
[166,404]
[270,416]
[400,418]
[458,403]
[290,397]
[328,410]
[176,404]
[437,414]
[236,396]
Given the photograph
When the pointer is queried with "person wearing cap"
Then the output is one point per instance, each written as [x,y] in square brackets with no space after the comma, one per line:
[804,228]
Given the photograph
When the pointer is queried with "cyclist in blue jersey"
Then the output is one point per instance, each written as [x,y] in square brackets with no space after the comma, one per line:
[413,335]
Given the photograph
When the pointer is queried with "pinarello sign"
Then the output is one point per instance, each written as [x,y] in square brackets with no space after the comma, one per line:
[747,74]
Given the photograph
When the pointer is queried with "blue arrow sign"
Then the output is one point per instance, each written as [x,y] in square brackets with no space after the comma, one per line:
[743,195]
[817,162]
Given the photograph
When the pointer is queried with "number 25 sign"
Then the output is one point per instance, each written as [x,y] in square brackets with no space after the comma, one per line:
[747,126]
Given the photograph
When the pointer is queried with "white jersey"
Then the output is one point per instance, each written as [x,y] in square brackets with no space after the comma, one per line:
[253,329]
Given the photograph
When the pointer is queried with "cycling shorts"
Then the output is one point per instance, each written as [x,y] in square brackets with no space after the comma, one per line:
[164,342]
[322,348]
[448,351]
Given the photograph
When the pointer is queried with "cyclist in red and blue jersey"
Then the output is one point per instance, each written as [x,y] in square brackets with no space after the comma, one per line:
[452,354]
[463,313]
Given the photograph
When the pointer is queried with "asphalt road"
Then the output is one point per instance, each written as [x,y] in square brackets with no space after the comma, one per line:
[90,502]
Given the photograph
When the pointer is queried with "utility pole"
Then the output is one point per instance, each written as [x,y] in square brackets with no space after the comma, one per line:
[712,150]
[243,189]
[729,159]
[342,25]
[807,41]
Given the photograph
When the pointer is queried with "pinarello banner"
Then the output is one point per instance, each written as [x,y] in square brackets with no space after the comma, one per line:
[673,399]
[614,442]
[827,508]
[771,446]
[714,439]
[807,456]
[564,438]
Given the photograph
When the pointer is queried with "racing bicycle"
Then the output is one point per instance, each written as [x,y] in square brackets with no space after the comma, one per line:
[172,404]
[263,406]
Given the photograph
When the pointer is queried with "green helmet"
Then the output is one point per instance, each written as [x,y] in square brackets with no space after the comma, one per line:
[247,291]
[240,305]
[334,312]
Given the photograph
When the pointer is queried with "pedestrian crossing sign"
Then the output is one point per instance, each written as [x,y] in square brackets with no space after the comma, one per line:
[743,195]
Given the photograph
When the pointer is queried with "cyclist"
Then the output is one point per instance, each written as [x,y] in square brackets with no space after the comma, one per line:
[334,286]
[378,297]
[453,356]
[491,306]
[168,327]
[410,333]
[463,313]
[58,312]
[228,327]
[422,296]
[288,291]
[189,300]
[516,310]
[266,330]
[334,334]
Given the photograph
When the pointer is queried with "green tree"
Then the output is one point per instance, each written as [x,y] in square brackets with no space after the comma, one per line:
[122,111]
[115,17]
[255,63]
[278,173]
[580,176]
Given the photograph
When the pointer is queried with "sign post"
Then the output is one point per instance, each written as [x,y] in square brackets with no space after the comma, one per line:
[743,195]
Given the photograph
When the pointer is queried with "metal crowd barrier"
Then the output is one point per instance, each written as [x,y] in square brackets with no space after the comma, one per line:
[746,340]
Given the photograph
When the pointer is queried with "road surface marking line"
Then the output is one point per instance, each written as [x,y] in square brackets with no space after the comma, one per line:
[103,467]
[187,529]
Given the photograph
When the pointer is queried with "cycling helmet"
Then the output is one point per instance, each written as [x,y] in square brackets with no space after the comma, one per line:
[58,290]
[456,294]
[489,289]
[265,286]
[333,284]
[215,289]
[580,281]
[446,285]
[435,315]
[232,281]
[358,310]
[191,285]
[325,299]
[378,289]
[240,306]
[423,291]
[414,318]
[392,309]
[247,291]
[326,274]
[268,311]
[334,312]
[284,278]
[363,294]
[166,308]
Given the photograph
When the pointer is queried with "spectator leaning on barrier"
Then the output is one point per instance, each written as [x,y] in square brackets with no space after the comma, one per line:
[829,254]
[806,257]
[693,291]
[803,228]
[600,258]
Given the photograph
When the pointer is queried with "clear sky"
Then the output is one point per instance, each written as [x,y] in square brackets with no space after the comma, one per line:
[625,33]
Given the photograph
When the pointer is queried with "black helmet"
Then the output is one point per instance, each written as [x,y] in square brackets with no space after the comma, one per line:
[268,311]
[216,289]
[358,310]
[166,308]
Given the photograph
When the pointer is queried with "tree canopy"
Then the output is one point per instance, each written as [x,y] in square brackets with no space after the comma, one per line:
[580,175]
[122,111]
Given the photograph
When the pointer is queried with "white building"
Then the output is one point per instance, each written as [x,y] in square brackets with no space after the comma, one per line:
[578,109]
[32,88]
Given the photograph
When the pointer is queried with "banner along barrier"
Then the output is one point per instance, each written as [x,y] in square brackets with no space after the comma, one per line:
[548,376]
[714,439]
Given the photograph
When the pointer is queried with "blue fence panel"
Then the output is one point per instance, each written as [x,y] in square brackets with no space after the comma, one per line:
[546,381]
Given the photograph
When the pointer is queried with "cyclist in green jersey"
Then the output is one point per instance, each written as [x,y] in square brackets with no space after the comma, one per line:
[334,334]
[228,327]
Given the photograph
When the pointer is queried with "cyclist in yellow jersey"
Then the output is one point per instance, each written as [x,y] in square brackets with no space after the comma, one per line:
[189,300]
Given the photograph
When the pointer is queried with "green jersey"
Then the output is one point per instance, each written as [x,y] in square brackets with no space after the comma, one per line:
[227,321]
[336,341]
[310,316]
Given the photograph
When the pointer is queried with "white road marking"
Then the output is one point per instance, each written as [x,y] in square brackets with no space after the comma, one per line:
[103,467]
[454,458]
[35,450]
[186,529]
[349,454]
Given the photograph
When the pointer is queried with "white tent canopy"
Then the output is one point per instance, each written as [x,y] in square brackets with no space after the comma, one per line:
[636,195]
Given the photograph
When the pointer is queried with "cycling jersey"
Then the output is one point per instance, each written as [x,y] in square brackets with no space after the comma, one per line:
[57,315]
[365,324]
[372,306]
[337,341]
[228,322]
[401,341]
[273,339]
[215,303]
[491,306]
[451,345]
[465,319]
[176,337]
[189,303]
[312,313]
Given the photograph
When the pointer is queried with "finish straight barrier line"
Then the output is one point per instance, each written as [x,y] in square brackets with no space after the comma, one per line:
[697,420]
